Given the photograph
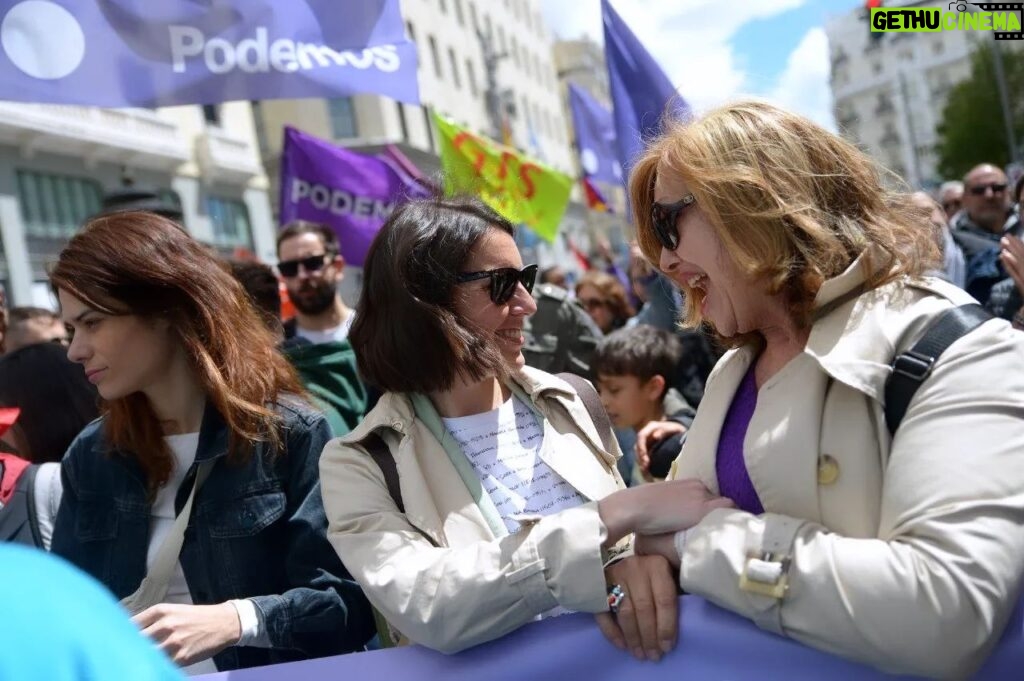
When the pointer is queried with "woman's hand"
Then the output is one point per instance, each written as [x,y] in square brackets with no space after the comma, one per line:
[1012,257]
[647,620]
[653,432]
[190,633]
[657,508]
[661,545]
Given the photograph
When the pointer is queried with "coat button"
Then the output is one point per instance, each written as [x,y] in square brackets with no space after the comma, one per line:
[828,470]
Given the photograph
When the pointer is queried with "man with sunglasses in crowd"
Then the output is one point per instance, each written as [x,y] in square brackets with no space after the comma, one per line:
[316,340]
[986,217]
[310,263]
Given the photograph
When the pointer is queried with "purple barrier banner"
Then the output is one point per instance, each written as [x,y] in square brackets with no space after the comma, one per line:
[352,193]
[714,645]
[150,53]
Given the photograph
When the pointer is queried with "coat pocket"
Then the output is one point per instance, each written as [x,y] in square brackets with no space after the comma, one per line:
[248,516]
[95,522]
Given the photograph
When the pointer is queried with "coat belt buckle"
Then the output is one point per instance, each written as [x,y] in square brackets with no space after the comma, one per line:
[766,574]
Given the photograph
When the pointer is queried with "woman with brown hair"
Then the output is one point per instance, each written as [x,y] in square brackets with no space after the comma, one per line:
[603,296]
[204,422]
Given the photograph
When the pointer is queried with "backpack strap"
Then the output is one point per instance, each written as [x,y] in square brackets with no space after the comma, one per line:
[381,455]
[28,483]
[592,401]
[911,368]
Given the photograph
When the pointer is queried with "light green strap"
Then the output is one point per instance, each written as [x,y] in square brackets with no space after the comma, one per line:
[426,413]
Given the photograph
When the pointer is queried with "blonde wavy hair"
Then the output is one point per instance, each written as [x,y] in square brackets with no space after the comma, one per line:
[793,204]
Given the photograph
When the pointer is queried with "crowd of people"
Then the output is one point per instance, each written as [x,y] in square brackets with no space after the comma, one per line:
[478,445]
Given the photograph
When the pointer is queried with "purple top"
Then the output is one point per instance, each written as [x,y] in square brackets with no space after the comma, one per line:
[733,479]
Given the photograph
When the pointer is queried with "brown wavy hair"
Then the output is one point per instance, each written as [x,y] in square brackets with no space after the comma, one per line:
[613,293]
[793,204]
[142,264]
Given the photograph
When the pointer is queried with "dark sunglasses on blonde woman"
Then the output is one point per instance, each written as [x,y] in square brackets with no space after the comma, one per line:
[503,281]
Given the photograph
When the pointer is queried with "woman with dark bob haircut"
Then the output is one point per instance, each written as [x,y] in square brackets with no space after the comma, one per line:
[895,541]
[198,403]
[505,508]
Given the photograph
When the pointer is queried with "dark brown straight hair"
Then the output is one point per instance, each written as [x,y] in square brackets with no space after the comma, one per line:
[142,264]
[406,334]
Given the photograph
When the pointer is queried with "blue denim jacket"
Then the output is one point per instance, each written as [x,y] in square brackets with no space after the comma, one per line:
[257,531]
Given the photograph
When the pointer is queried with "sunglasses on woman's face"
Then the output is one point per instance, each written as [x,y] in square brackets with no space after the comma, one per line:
[314,263]
[665,220]
[503,281]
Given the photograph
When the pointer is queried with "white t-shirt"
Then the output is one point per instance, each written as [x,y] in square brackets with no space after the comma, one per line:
[337,333]
[48,490]
[161,520]
[503,446]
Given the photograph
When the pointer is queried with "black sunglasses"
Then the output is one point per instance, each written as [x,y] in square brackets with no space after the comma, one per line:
[503,281]
[665,220]
[996,187]
[314,263]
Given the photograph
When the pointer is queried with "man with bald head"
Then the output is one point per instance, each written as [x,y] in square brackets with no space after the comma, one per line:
[985,219]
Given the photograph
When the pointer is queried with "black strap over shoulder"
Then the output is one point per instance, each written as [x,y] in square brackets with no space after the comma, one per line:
[592,401]
[911,368]
[381,455]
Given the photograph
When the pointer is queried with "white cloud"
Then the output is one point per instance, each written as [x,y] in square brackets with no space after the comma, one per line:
[692,40]
[803,87]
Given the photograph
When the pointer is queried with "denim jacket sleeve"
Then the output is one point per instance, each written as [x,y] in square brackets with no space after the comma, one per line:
[324,612]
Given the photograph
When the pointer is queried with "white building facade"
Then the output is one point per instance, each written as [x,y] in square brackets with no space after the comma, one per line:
[453,81]
[889,89]
[57,162]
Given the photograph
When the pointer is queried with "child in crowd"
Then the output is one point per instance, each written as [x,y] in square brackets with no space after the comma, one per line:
[634,369]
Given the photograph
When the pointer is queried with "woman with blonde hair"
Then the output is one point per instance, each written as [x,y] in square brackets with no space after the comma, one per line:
[196,496]
[897,542]
[603,296]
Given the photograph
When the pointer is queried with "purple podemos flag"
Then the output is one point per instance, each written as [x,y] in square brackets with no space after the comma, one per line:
[642,95]
[352,193]
[150,53]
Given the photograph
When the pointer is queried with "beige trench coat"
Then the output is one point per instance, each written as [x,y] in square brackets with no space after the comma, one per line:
[438,573]
[905,554]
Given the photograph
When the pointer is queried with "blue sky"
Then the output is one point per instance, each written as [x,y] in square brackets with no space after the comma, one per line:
[716,51]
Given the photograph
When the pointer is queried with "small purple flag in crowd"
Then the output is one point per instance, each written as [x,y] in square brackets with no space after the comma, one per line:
[352,193]
[118,53]
[595,137]
[641,92]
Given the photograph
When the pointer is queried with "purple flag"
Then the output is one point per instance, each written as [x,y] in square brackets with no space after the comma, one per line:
[641,92]
[595,137]
[150,53]
[350,192]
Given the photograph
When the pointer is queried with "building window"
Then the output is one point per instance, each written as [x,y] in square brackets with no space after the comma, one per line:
[471,78]
[502,45]
[459,16]
[884,104]
[400,108]
[472,16]
[454,64]
[938,47]
[444,6]
[435,56]
[515,51]
[211,114]
[230,220]
[343,118]
[428,121]
[55,206]
[487,27]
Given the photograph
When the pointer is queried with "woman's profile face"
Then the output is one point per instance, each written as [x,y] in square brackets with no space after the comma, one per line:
[473,304]
[702,267]
[593,301]
[121,354]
